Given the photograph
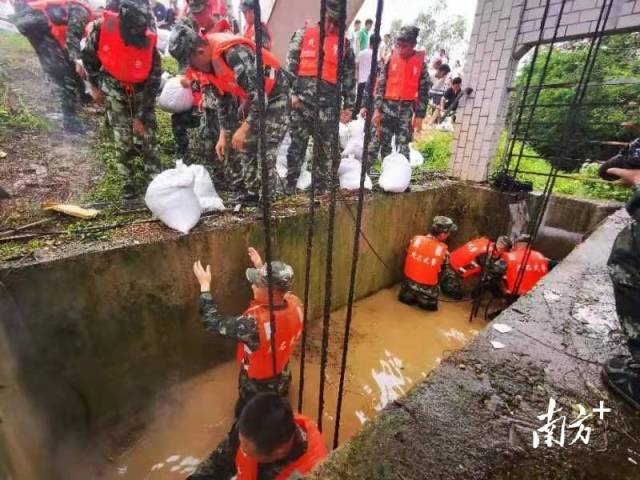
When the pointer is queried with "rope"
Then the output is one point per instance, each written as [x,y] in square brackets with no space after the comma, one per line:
[335,162]
[265,174]
[358,227]
[312,207]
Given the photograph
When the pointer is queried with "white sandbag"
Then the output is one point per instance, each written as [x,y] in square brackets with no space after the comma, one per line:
[345,135]
[349,175]
[415,157]
[354,148]
[204,189]
[304,180]
[171,197]
[396,173]
[175,98]
[356,127]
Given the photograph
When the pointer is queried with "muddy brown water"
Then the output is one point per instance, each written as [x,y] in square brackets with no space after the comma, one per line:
[392,346]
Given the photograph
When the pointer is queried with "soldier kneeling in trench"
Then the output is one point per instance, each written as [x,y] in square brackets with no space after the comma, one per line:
[426,256]
[252,330]
[270,443]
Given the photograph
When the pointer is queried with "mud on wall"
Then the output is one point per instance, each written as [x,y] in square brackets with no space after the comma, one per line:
[94,339]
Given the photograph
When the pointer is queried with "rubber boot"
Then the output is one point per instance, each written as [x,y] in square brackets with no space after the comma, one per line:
[622,374]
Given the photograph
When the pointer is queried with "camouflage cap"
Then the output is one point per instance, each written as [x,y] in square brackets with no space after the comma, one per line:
[333,9]
[442,224]
[281,275]
[246,5]
[524,238]
[182,42]
[506,241]
[196,6]
[409,34]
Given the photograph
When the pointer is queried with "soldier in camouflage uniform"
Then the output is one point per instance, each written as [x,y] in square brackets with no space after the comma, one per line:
[238,113]
[246,329]
[396,114]
[622,373]
[43,25]
[131,107]
[246,7]
[303,121]
[426,296]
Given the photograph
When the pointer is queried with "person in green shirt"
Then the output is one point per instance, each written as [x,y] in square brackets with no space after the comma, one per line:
[363,35]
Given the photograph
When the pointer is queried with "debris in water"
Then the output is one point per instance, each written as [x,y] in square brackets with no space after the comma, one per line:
[497,345]
[3,154]
[172,459]
[551,296]
[122,470]
[72,210]
[502,328]
[632,460]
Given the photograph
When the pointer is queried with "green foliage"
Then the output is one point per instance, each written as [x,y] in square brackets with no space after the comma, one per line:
[436,150]
[109,187]
[436,31]
[170,65]
[15,114]
[564,135]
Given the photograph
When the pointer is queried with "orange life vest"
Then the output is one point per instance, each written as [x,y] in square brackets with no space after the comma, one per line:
[536,268]
[309,55]
[193,74]
[58,31]
[223,77]
[403,77]
[464,259]
[247,467]
[125,63]
[424,260]
[250,32]
[259,363]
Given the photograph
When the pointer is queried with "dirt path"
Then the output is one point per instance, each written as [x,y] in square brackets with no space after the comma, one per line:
[39,163]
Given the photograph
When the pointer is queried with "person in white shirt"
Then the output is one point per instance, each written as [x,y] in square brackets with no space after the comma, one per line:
[354,38]
[385,50]
[363,70]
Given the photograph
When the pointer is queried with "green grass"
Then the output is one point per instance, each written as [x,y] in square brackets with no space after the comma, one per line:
[435,147]
[579,187]
[170,65]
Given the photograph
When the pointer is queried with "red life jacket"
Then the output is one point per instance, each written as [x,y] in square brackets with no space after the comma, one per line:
[193,74]
[259,364]
[125,63]
[247,467]
[250,32]
[58,31]
[403,77]
[424,260]
[463,259]
[223,77]
[536,268]
[309,55]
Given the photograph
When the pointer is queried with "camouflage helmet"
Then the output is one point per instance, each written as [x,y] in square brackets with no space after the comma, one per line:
[524,238]
[182,42]
[408,34]
[506,241]
[196,6]
[281,275]
[442,224]
[246,5]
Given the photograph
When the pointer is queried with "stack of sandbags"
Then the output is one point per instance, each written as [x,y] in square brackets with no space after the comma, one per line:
[355,143]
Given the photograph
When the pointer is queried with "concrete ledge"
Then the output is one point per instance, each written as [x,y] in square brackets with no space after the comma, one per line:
[473,418]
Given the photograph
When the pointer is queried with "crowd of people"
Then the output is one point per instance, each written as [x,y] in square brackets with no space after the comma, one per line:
[111,57]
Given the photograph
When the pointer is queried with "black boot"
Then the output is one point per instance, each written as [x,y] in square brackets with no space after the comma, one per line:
[72,124]
[622,374]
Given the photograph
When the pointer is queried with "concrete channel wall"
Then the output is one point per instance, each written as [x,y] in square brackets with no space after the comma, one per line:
[89,342]
[474,416]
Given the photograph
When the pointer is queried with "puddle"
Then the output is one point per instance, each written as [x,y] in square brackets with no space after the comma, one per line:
[392,346]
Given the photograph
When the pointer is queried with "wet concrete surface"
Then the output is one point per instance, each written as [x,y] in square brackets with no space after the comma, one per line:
[393,346]
[475,416]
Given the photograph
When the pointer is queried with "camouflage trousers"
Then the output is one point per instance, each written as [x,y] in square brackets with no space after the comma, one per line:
[249,388]
[243,169]
[624,271]
[123,107]
[396,120]
[304,125]
[426,296]
[200,146]
[451,283]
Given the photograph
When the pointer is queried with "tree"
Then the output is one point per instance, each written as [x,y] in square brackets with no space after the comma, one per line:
[567,136]
[436,31]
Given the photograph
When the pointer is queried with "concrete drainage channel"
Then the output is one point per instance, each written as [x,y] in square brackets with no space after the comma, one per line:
[97,347]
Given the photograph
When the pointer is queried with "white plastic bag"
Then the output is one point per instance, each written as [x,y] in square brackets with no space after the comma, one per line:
[354,148]
[415,157]
[349,175]
[204,189]
[345,134]
[356,127]
[396,173]
[171,197]
[174,97]
[304,180]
